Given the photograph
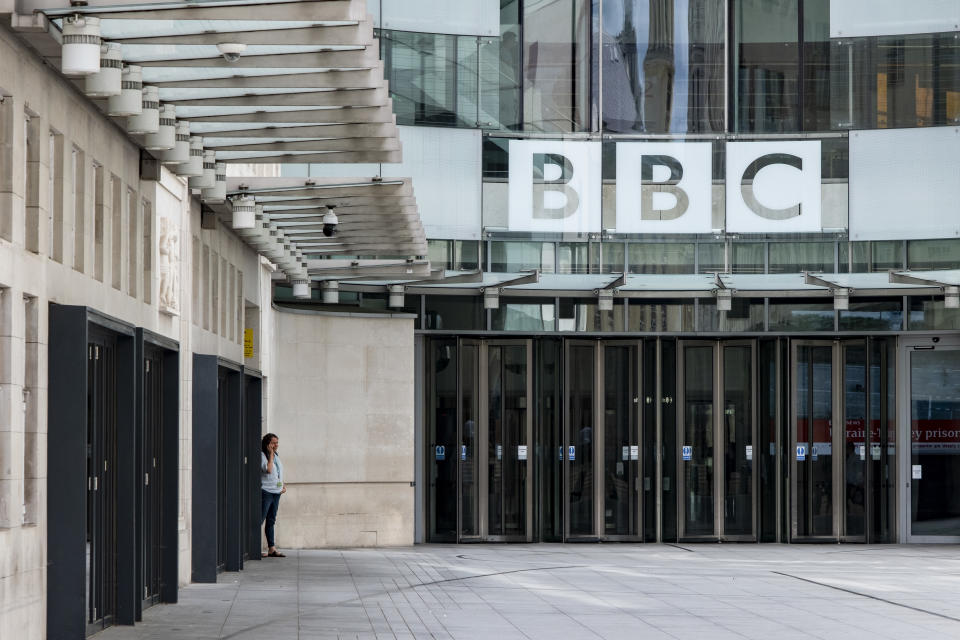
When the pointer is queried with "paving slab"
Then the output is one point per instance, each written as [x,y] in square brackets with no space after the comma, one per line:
[555,592]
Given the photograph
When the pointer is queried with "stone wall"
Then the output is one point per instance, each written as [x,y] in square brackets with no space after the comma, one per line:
[343,407]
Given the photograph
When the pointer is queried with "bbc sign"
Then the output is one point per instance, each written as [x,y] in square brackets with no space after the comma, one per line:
[665,187]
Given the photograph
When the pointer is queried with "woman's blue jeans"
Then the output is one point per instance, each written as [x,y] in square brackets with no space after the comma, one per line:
[268,511]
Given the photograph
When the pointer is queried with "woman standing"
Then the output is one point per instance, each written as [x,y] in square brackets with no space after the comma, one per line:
[271,488]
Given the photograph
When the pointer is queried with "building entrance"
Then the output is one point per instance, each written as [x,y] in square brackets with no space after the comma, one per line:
[717,434]
[481,487]
[842,440]
[661,439]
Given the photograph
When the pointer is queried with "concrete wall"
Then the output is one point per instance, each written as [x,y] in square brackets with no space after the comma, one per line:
[343,408]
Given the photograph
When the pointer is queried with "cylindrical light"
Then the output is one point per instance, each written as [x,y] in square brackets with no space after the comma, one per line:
[106,81]
[951,297]
[395,300]
[180,152]
[605,300]
[301,289]
[841,299]
[218,192]
[148,120]
[724,299]
[330,292]
[491,298]
[166,135]
[130,100]
[194,166]
[244,212]
[81,46]
[208,179]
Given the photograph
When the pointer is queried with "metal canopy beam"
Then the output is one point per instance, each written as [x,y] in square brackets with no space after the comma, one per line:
[318,158]
[365,58]
[357,78]
[333,98]
[343,115]
[341,144]
[379,130]
[360,34]
[294,195]
[302,10]
[257,185]
[341,201]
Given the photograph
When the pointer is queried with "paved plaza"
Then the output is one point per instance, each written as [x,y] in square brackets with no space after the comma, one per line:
[640,592]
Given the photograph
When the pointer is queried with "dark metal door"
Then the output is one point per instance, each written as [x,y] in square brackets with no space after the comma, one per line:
[152,480]
[101,595]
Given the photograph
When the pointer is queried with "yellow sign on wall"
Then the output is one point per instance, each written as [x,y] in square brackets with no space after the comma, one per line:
[248,343]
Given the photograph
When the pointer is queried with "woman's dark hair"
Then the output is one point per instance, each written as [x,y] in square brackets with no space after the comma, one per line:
[266,441]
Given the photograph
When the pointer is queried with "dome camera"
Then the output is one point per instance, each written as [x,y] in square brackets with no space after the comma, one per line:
[231,51]
[330,222]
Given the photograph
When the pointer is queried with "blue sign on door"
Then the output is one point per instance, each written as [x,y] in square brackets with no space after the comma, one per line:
[687,452]
[441,452]
[463,452]
[801,452]
[571,453]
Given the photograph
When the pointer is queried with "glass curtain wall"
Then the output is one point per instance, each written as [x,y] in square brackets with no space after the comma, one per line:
[556,65]
[781,51]
[896,81]
[662,65]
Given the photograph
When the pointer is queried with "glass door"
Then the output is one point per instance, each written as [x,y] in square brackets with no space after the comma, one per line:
[856,440]
[934,422]
[717,433]
[622,507]
[508,440]
[811,460]
[466,455]
[578,450]
[738,438]
[697,446]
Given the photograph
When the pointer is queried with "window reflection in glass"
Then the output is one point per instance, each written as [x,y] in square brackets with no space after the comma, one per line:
[584,314]
[524,314]
[933,254]
[866,257]
[881,314]
[800,315]
[513,256]
[663,66]
[573,257]
[453,312]
[660,315]
[896,81]
[929,313]
[660,257]
[746,314]
[556,65]
[795,257]
[613,257]
[710,257]
[747,257]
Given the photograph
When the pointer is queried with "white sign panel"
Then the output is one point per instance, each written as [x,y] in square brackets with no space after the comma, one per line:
[663,187]
[916,472]
[554,186]
[851,18]
[521,452]
[773,187]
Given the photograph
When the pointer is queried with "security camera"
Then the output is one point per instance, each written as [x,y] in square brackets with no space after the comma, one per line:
[231,51]
[330,222]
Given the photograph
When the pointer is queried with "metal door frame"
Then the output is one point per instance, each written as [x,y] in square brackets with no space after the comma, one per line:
[836,410]
[904,445]
[566,438]
[637,426]
[842,346]
[481,404]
